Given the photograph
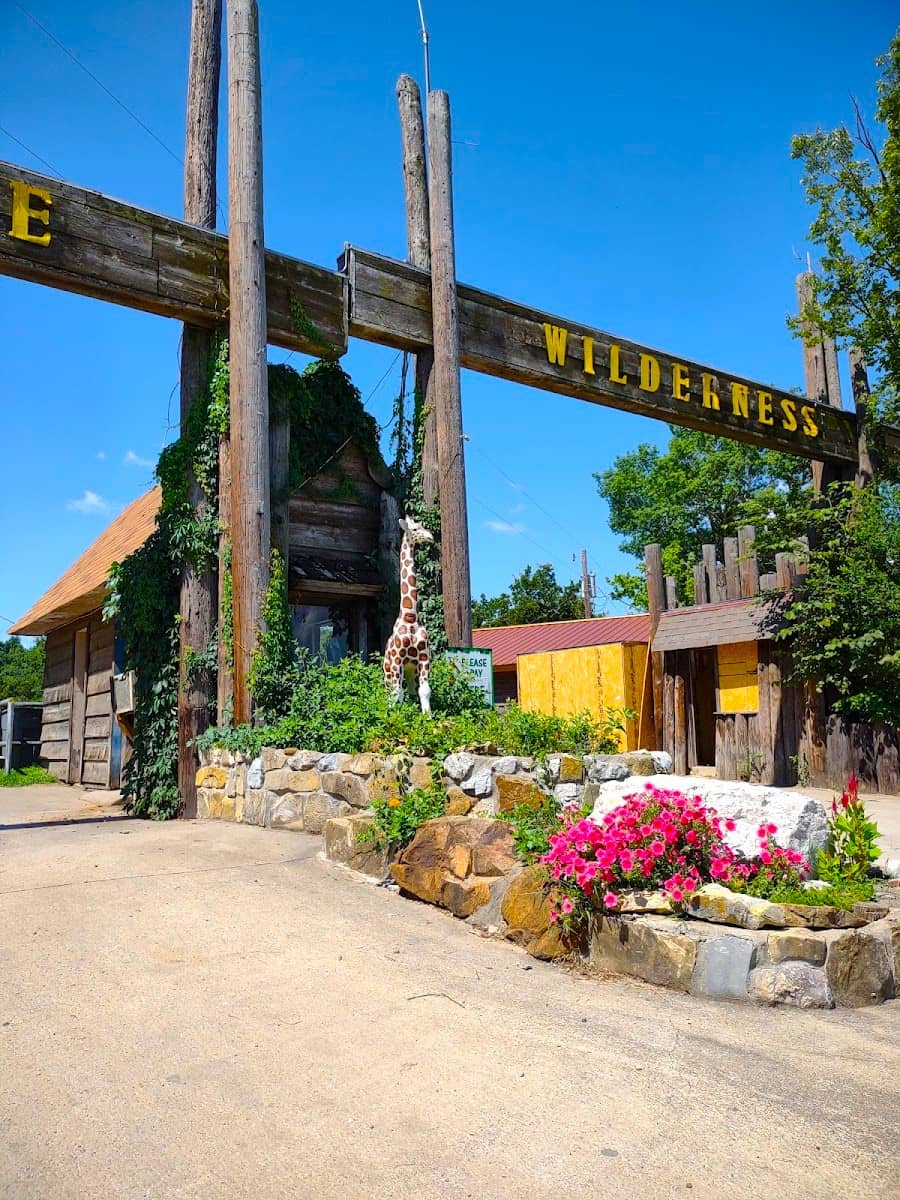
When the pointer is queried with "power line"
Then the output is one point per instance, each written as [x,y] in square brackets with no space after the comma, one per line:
[109,92]
[570,533]
[99,82]
[34,154]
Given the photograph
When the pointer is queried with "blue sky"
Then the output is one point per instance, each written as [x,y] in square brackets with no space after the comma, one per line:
[625,165]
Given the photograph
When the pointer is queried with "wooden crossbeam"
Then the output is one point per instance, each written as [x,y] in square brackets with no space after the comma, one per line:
[82,241]
[390,302]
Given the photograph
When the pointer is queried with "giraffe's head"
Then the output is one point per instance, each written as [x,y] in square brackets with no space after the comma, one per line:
[414,531]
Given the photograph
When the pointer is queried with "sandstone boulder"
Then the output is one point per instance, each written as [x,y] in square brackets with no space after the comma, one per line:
[518,790]
[860,968]
[793,984]
[346,787]
[345,842]
[211,777]
[786,944]
[458,804]
[712,902]
[321,808]
[565,768]
[455,850]
[650,948]
[302,760]
[526,909]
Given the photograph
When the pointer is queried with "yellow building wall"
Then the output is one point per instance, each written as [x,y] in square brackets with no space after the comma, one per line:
[738,684]
[596,678]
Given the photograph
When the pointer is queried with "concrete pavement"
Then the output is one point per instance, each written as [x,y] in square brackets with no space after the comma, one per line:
[210,1010]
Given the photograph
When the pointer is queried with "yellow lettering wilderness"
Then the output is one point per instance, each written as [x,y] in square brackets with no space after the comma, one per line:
[555,338]
[810,428]
[649,373]
[615,373]
[740,400]
[764,408]
[22,213]
[789,415]
[588,355]
[710,395]
[681,383]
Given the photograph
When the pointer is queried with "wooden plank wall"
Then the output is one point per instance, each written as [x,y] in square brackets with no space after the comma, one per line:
[91,741]
[833,749]
[98,704]
[57,702]
[338,513]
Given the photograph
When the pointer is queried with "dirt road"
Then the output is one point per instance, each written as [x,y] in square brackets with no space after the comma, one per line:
[212,1011]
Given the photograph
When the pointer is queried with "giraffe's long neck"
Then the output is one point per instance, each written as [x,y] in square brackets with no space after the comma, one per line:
[409,596]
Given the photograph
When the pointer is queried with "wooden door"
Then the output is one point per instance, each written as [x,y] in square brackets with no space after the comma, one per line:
[79,692]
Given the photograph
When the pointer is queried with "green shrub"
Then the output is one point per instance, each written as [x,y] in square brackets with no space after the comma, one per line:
[346,707]
[398,817]
[841,895]
[26,776]
[531,828]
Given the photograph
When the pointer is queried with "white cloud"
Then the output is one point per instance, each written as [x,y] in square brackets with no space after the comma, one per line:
[90,504]
[517,508]
[101,454]
[504,527]
[134,460]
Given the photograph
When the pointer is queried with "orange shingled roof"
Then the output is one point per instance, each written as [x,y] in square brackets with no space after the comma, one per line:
[83,587]
[509,641]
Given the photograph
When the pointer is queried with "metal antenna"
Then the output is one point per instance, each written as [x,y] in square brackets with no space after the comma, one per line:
[425,47]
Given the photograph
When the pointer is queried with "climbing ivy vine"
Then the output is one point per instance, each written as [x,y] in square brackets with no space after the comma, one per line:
[428,554]
[325,412]
[144,595]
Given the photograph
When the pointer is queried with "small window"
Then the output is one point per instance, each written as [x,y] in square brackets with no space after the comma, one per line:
[322,630]
[738,686]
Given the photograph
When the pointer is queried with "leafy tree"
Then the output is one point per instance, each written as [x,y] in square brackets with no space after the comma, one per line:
[21,670]
[700,489]
[855,186]
[843,625]
[533,596]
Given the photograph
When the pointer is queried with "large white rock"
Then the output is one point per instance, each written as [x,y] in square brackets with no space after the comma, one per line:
[801,821]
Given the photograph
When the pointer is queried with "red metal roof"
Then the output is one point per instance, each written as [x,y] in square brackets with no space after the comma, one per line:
[509,641]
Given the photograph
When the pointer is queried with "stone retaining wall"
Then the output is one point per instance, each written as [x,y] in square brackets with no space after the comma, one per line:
[302,789]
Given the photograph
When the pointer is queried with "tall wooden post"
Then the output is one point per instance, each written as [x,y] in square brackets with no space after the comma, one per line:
[859,381]
[225,677]
[820,367]
[198,588]
[250,522]
[418,247]
[455,577]
[654,675]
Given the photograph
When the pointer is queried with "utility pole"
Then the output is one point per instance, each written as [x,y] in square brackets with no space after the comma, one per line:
[418,246]
[820,366]
[859,379]
[456,582]
[249,407]
[198,588]
[586,586]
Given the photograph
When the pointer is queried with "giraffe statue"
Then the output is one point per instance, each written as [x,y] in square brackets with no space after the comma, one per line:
[409,641]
